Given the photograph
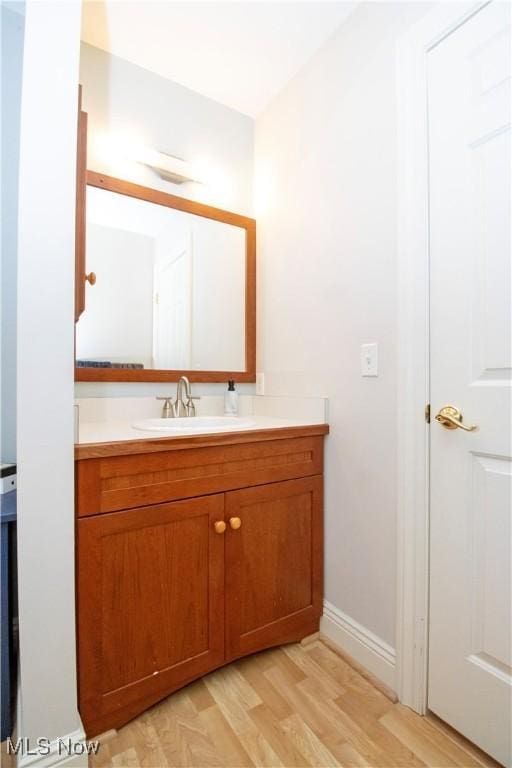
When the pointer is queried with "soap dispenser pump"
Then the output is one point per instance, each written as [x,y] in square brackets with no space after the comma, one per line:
[231,400]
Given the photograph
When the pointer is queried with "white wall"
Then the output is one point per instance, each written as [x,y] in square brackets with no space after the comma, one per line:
[45,371]
[124,100]
[326,212]
[128,102]
[12,29]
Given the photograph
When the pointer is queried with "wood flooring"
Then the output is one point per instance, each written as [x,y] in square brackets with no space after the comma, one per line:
[298,706]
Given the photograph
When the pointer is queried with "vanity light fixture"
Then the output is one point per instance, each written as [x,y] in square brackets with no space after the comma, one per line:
[120,151]
[168,167]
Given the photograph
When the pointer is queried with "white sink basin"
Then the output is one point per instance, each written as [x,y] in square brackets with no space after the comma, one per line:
[197,424]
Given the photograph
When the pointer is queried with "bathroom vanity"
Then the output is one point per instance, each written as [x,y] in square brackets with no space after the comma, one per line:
[192,549]
[191,552]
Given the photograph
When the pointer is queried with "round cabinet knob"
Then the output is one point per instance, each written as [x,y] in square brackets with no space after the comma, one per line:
[220,526]
[91,278]
[235,523]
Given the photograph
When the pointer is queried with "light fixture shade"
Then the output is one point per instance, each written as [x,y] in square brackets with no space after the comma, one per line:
[168,167]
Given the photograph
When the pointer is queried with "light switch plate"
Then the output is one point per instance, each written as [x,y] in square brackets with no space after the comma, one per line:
[369,359]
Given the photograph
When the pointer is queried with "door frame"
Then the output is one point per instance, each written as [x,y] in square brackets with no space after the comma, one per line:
[413,307]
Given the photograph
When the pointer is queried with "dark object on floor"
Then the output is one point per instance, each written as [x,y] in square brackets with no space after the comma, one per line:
[8,596]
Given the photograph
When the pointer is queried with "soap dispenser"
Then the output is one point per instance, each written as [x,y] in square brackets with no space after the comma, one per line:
[231,400]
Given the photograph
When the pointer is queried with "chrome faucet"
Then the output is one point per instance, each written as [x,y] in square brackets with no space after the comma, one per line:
[183,405]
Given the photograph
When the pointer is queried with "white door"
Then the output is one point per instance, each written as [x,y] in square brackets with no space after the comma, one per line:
[172,317]
[469,81]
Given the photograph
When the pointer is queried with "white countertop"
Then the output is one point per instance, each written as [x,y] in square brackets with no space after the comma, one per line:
[115,431]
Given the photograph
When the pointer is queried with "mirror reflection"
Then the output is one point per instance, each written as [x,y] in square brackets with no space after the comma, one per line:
[169,291]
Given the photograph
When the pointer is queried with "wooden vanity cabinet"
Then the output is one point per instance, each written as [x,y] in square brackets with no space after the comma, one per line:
[167,592]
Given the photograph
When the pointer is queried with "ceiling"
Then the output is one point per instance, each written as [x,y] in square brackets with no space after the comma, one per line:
[239,53]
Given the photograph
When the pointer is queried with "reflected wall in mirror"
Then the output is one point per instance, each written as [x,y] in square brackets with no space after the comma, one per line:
[174,290]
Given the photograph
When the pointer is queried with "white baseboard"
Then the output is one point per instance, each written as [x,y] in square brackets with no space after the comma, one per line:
[69,750]
[363,646]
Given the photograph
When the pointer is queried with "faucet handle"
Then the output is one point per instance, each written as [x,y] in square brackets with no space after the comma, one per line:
[169,408]
[190,407]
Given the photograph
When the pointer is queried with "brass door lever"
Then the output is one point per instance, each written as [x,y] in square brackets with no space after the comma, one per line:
[451,418]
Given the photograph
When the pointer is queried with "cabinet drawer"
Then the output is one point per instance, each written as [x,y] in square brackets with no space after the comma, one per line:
[122,482]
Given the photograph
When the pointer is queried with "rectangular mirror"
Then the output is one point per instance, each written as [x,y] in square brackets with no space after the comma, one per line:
[171,288]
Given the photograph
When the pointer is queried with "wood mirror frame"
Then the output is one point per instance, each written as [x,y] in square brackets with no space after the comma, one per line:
[111,184]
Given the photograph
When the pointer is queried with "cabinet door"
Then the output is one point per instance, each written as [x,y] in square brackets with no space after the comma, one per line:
[150,605]
[273,564]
